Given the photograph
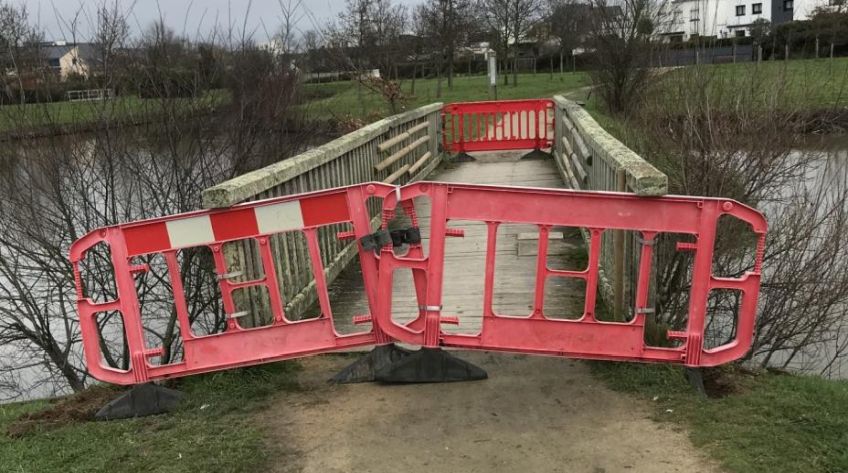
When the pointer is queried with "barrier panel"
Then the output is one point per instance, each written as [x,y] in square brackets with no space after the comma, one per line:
[496,126]
[584,336]
[235,346]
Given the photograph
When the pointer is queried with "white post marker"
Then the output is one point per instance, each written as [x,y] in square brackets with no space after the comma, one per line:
[493,75]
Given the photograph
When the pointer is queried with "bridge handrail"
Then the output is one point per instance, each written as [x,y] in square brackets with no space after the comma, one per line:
[398,149]
[595,160]
[589,158]
[249,186]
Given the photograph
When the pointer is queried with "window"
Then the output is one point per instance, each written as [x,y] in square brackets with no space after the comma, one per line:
[694,15]
[740,33]
[740,10]
[788,5]
[757,8]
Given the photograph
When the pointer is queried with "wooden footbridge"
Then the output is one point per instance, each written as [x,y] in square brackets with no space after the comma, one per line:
[534,143]
[435,228]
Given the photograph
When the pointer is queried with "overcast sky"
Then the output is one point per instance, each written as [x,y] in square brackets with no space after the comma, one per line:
[186,17]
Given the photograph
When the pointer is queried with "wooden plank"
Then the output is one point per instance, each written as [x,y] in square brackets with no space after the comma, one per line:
[567,146]
[578,168]
[465,262]
[400,154]
[395,175]
[247,186]
[423,159]
[399,138]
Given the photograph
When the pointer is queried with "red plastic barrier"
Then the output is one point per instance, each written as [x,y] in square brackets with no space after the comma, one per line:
[496,126]
[585,337]
[236,346]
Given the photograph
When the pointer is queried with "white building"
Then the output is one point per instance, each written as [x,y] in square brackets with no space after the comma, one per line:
[728,18]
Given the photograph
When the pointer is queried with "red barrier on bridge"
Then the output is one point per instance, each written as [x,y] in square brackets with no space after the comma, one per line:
[584,335]
[496,126]
[235,346]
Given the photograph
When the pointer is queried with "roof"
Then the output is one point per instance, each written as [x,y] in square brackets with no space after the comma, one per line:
[87,51]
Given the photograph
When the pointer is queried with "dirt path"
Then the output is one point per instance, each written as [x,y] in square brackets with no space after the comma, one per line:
[533,414]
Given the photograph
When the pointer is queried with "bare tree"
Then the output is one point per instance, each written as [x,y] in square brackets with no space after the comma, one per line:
[622,41]
[151,160]
[19,53]
[714,137]
[444,24]
[509,23]
[291,15]
[368,35]
[110,37]
[568,22]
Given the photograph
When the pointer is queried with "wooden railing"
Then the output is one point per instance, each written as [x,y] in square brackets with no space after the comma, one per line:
[398,149]
[589,158]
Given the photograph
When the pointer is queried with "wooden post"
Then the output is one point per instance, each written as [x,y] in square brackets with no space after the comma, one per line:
[618,256]
[493,75]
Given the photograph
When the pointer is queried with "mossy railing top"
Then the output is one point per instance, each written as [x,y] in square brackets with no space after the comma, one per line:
[252,184]
[594,156]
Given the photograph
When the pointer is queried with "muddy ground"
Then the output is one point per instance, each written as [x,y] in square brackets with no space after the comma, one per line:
[533,414]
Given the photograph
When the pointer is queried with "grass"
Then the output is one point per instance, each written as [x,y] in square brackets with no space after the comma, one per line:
[804,84]
[342,99]
[771,423]
[120,109]
[766,422]
[213,430]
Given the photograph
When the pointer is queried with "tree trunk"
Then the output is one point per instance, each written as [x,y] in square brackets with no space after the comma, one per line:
[414,73]
[450,68]
[561,66]
[439,79]
[67,370]
[515,69]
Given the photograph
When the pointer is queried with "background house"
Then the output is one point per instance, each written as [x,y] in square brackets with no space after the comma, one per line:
[67,59]
[734,18]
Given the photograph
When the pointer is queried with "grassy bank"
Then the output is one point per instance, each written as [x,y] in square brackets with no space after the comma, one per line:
[782,86]
[346,99]
[753,422]
[126,109]
[213,430]
[761,423]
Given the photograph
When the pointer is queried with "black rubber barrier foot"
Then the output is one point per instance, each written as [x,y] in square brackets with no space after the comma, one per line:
[430,365]
[536,154]
[363,370]
[463,158]
[140,401]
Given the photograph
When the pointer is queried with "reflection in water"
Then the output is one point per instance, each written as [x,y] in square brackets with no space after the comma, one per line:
[113,177]
[830,176]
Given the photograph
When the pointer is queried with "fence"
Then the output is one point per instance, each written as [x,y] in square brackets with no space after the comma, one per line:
[90,94]
[397,150]
[589,158]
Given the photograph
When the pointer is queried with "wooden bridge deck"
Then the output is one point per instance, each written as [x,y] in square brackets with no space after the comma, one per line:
[465,257]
